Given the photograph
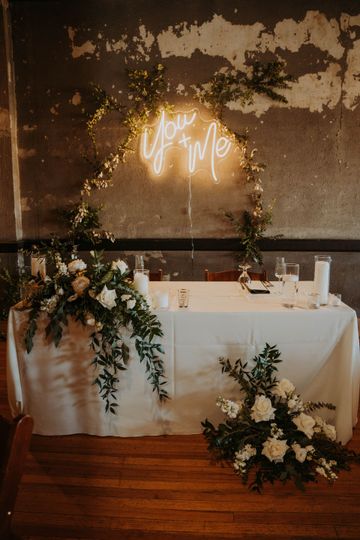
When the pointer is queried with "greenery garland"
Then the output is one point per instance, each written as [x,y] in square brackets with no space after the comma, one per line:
[239,86]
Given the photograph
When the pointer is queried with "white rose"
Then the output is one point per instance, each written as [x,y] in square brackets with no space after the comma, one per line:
[305,423]
[274,449]
[119,265]
[329,431]
[283,388]
[76,266]
[262,410]
[107,297]
[130,304]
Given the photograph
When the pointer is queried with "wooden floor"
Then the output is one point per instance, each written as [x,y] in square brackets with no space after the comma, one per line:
[166,488]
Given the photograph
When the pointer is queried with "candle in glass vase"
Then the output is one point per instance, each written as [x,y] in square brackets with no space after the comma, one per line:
[141,282]
[322,278]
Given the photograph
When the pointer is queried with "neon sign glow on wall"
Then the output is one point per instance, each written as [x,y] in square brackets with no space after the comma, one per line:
[201,142]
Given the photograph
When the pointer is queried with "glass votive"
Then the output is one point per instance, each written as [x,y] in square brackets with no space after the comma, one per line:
[335,299]
[313,300]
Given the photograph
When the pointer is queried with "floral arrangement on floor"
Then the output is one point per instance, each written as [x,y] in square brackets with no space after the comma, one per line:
[101,296]
[270,432]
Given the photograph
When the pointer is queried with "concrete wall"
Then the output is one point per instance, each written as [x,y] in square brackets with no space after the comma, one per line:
[310,145]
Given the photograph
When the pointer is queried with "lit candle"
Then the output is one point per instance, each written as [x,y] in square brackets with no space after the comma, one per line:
[141,282]
[321,280]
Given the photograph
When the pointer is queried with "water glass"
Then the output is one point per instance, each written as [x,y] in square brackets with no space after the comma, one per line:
[290,284]
[313,300]
[139,262]
[279,269]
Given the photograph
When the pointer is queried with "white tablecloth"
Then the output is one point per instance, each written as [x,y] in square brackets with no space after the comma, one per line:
[319,348]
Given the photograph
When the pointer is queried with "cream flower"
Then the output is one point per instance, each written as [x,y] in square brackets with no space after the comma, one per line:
[262,410]
[90,319]
[76,266]
[107,297]
[329,431]
[119,265]
[274,449]
[283,388]
[305,423]
[130,304]
[301,452]
[80,284]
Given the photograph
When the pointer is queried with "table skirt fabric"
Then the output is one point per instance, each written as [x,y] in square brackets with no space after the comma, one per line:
[319,349]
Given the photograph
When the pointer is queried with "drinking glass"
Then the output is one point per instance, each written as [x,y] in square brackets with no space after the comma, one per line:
[290,284]
[244,276]
[279,270]
[139,262]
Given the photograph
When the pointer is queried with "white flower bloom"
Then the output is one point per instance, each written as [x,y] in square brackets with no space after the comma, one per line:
[276,431]
[329,431]
[242,456]
[130,304]
[107,297]
[76,266]
[119,265]
[301,452]
[305,423]
[229,407]
[63,269]
[262,410]
[49,304]
[283,388]
[295,404]
[274,449]
[125,297]
[60,291]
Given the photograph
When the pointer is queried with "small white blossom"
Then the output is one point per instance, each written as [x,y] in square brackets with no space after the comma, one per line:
[295,404]
[276,432]
[49,304]
[63,269]
[329,431]
[125,297]
[229,407]
[130,304]
[242,456]
[301,452]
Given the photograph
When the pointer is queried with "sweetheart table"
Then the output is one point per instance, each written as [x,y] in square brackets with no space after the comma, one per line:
[319,350]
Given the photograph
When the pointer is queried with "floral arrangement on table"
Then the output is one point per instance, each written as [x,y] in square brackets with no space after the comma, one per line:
[270,430]
[101,296]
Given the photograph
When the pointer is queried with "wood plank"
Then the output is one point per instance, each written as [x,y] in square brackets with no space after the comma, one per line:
[167,488]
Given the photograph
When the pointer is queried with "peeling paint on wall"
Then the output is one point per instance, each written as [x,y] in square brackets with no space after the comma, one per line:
[86,49]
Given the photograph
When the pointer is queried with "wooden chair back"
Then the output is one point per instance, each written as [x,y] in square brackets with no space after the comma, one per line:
[157,275]
[233,275]
[15,437]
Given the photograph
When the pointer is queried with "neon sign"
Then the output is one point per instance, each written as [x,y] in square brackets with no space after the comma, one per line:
[181,130]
